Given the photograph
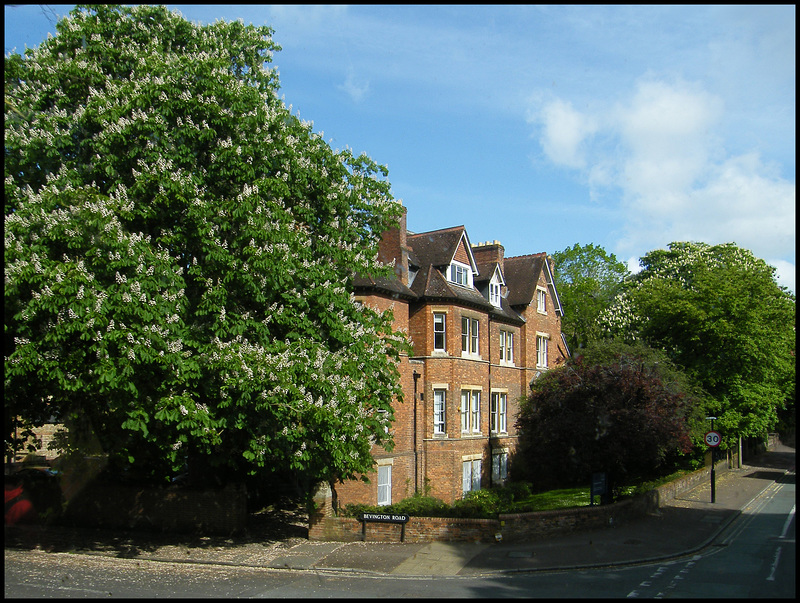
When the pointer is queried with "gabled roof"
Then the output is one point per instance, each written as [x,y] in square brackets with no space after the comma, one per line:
[522,274]
[505,311]
[487,271]
[439,247]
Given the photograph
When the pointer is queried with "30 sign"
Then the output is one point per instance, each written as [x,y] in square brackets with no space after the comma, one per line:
[713,438]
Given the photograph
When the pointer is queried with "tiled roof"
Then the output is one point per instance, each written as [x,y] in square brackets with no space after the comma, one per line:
[505,311]
[390,285]
[522,274]
[431,252]
[437,247]
[430,283]
[485,272]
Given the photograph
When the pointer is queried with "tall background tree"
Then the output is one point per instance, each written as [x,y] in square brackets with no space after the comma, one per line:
[179,250]
[721,316]
[588,279]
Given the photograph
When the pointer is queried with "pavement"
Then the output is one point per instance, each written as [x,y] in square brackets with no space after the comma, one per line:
[684,526]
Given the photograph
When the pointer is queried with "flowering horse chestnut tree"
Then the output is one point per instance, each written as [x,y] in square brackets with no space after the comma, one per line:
[179,254]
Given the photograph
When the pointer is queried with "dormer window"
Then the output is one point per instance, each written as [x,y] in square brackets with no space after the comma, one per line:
[460,274]
[494,293]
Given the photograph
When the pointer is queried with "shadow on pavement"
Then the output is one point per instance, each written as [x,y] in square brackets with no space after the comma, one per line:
[268,527]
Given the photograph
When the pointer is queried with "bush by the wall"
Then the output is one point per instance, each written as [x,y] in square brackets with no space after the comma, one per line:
[478,504]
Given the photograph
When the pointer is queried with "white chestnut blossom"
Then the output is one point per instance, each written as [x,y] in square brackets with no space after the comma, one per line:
[200,239]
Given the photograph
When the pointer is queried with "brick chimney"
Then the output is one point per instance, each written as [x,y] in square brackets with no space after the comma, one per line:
[394,246]
[489,252]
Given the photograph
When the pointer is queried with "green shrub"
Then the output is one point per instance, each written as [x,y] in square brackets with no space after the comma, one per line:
[519,490]
[356,509]
[478,504]
[415,506]
[421,506]
[514,497]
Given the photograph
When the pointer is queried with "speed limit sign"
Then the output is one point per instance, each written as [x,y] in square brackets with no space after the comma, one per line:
[713,438]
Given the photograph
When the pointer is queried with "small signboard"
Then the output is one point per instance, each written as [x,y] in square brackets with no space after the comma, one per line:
[599,486]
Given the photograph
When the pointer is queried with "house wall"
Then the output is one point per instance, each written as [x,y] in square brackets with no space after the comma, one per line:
[421,460]
[401,458]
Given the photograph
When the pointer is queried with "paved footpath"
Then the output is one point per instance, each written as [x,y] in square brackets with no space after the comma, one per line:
[684,526]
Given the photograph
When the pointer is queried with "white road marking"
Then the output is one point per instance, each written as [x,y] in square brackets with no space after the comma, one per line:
[771,577]
[787,523]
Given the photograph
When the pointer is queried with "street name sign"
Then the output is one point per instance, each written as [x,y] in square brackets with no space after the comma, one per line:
[385,517]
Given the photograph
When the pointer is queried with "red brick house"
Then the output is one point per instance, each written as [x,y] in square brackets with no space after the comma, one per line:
[482,327]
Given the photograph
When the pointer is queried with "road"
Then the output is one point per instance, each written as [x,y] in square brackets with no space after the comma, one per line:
[755,557]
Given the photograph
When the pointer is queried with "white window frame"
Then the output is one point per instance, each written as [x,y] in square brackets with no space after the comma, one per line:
[470,336]
[439,411]
[460,274]
[384,485]
[541,350]
[465,400]
[441,318]
[475,410]
[470,475]
[541,300]
[499,466]
[506,347]
[470,410]
[499,412]
[494,293]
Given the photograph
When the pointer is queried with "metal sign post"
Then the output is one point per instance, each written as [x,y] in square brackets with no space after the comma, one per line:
[713,439]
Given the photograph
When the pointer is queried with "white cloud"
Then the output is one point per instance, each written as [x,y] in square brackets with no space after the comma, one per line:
[661,151]
[564,131]
[745,202]
[356,89]
[633,264]
[667,133]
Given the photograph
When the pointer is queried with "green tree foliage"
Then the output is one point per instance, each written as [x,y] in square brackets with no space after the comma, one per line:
[719,313]
[588,280]
[619,410]
[179,253]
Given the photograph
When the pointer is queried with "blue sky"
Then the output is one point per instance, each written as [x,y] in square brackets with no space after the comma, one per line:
[544,126]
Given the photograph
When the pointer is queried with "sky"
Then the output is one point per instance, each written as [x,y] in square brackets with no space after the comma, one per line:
[542,127]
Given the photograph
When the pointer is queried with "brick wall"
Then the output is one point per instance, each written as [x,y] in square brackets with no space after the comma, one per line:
[402,456]
[418,529]
[518,527]
[46,433]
